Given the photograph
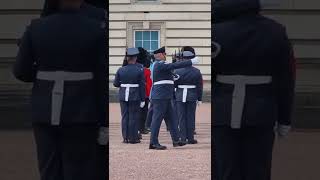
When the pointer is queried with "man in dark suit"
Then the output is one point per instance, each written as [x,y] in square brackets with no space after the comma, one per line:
[253,89]
[63,55]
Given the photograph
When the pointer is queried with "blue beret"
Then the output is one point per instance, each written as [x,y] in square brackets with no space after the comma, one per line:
[132,51]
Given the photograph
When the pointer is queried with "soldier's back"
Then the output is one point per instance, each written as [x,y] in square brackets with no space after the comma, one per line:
[131,73]
[68,42]
[65,41]
[252,44]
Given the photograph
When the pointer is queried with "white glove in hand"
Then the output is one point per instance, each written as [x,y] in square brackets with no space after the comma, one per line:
[199,103]
[195,60]
[283,130]
[103,136]
[142,104]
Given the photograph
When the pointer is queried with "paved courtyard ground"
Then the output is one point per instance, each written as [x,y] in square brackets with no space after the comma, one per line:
[295,158]
[137,162]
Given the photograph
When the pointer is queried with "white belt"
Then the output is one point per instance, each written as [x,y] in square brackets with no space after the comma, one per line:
[164,82]
[128,86]
[185,91]
[58,88]
[239,92]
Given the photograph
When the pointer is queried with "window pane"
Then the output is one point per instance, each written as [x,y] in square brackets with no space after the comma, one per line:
[146,35]
[154,45]
[154,35]
[146,45]
[138,44]
[138,35]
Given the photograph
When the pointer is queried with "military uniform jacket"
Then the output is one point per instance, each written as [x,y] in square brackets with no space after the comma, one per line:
[132,76]
[163,71]
[189,77]
[69,42]
[252,45]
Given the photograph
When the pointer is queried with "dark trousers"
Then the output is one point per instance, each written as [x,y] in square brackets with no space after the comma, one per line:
[143,117]
[186,117]
[242,154]
[149,118]
[161,109]
[68,153]
[130,112]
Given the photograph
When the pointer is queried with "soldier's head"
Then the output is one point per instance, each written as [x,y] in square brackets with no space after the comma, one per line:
[187,55]
[160,54]
[188,48]
[132,55]
[231,9]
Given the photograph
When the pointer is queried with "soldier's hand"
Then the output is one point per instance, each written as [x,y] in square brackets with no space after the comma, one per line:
[195,60]
[282,130]
[142,104]
[199,103]
[103,136]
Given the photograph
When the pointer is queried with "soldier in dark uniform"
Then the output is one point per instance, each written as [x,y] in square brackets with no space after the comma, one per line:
[188,93]
[150,108]
[161,97]
[191,49]
[253,89]
[130,79]
[67,65]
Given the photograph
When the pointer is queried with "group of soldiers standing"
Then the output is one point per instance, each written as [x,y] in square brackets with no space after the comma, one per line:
[152,91]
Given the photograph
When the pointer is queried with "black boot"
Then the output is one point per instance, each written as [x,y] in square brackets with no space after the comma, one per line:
[157,147]
[192,141]
[134,141]
[179,143]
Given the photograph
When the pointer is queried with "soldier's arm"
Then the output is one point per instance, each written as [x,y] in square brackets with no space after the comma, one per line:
[25,68]
[142,86]
[116,81]
[200,87]
[285,82]
[100,74]
[172,66]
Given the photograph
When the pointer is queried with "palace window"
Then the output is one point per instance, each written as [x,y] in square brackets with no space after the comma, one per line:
[149,40]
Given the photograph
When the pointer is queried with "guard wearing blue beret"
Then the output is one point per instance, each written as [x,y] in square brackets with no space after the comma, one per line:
[131,81]
[253,89]
[161,96]
[188,93]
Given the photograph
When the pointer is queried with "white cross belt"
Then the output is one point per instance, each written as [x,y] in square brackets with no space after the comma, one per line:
[58,88]
[163,82]
[185,91]
[239,92]
[127,91]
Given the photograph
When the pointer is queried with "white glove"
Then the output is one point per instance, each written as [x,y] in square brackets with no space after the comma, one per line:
[282,130]
[195,60]
[103,138]
[142,104]
[199,103]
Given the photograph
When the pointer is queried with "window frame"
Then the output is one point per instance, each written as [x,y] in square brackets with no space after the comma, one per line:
[146,30]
